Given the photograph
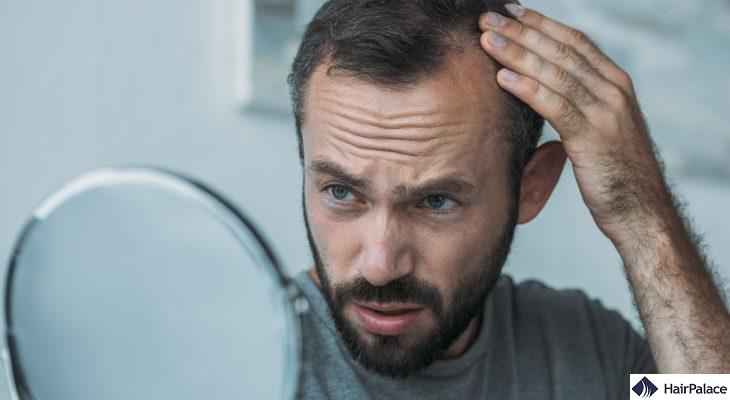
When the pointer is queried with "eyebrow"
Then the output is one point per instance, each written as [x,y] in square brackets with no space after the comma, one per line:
[334,170]
[444,184]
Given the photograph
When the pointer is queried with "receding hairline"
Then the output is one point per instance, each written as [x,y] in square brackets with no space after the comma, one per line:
[459,44]
[455,42]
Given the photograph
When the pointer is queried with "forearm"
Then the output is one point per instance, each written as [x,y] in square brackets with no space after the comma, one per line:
[686,321]
[591,102]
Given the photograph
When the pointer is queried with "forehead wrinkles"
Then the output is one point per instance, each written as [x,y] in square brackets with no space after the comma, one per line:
[393,108]
[406,124]
[452,112]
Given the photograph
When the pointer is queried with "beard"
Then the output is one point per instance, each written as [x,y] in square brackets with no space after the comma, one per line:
[400,356]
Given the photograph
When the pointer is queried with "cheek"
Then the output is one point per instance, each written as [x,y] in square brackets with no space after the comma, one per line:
[447,255]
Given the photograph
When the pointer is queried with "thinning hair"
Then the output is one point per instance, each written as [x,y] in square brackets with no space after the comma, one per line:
[398,43]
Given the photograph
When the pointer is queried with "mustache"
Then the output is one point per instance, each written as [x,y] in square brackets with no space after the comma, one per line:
[409,290]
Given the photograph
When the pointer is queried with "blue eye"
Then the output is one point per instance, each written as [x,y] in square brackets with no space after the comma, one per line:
[339,192]
[437,201]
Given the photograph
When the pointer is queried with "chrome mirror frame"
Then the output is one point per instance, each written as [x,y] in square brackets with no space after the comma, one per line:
[241,227]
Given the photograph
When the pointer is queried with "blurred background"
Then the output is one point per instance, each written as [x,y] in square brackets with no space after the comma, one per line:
[199,87]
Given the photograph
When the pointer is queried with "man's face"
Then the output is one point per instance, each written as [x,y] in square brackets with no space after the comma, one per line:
[409,207]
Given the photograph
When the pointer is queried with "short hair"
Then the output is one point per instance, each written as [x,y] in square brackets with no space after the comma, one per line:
[395,43]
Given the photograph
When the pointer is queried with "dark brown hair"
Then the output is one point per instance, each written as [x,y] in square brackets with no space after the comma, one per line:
[395,43]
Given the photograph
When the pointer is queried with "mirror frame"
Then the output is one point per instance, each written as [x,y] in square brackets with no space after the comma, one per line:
[221,209]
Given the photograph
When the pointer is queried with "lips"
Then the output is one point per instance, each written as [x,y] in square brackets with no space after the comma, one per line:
[387,319]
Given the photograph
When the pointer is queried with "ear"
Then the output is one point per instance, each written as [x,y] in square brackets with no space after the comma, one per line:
[539,178]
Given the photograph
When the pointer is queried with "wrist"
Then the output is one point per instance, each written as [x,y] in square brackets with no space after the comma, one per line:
[651,238]
[648,229]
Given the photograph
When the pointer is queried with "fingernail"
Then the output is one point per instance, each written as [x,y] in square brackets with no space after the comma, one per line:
[497,40]
[495,19]
[509,75]
[515,10]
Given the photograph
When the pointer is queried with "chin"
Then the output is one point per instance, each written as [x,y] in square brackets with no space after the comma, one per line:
[394,356]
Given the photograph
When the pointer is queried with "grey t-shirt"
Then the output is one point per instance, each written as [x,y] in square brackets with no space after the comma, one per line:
[535,342]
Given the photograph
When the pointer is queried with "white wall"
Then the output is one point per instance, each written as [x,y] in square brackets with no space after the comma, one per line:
[89,83]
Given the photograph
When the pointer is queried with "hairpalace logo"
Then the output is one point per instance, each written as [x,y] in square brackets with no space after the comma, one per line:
[644,388]
[679,386]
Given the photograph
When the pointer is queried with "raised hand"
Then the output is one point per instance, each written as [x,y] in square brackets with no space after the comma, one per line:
[590,101]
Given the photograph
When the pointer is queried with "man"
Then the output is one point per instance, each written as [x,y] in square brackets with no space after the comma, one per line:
[418,122]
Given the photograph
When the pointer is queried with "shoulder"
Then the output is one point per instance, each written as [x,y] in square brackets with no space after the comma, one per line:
[568,315]
[532,298]
[571,320]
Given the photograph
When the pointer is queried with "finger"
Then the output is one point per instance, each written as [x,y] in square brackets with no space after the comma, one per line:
[575,38]
[557,110]
[518,59]
[561,54]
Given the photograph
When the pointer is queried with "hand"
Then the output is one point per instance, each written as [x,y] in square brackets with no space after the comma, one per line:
[591,103]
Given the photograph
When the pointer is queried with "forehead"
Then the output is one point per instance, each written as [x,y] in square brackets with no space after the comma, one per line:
[452,121]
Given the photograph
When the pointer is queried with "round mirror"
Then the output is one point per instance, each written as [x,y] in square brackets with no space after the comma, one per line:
[134,283]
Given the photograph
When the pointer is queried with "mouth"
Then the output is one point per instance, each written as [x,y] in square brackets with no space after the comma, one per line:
[387,319]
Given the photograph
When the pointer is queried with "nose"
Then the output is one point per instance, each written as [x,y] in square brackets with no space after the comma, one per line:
[386,256]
